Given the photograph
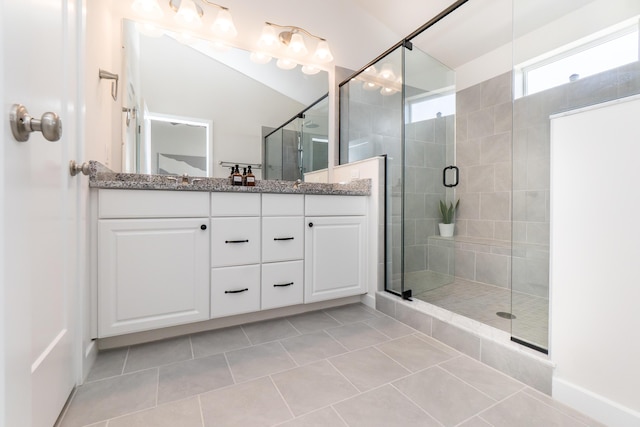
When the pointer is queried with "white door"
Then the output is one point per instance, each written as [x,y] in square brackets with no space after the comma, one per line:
[334,257]
[38,223]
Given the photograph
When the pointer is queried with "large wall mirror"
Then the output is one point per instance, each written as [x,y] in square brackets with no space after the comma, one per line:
[193,108]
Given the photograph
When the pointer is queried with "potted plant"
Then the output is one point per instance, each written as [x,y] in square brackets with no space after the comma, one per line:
[447,212]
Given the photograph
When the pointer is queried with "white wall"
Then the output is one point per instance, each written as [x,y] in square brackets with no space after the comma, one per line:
[595,248]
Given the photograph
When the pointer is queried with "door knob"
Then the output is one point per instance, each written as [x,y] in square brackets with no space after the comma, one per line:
[22,124]
[75,168]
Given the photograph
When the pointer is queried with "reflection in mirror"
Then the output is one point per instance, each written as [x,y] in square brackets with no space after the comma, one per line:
[175,146]
[299,146]
[237,98]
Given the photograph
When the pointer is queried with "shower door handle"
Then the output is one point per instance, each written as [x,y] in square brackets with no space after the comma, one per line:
[456,174]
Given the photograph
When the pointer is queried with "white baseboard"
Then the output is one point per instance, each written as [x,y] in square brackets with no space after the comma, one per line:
[90,355]
[597,407]
[368,300]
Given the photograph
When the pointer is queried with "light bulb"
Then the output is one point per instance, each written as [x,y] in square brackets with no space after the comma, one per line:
[387,72]
[286,64]
[223,25]
[323,53]
[147,9]
[310,69]
[268,38]
[296,45]
[188,14]
[370,86]
[386,91]
[260,57]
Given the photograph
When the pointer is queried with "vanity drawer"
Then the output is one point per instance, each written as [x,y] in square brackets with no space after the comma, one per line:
[235,204]
[282,205]
[282,238]
[329,205]
[235,290]
[235,241]
[282,284]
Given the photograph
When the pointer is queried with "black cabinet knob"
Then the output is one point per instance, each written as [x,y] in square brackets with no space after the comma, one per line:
[310,224]
[203,227]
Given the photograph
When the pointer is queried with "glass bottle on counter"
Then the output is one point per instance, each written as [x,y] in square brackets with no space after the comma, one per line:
[237,177]
[244,176]
[231,176]
[251,178]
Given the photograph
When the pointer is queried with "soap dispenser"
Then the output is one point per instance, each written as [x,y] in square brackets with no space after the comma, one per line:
[237,177]
[244,176]
[251,178]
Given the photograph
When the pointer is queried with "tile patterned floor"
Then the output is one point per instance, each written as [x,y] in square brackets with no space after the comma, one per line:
[348,366]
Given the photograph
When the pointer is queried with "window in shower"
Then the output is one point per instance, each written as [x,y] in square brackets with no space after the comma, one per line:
[605,50]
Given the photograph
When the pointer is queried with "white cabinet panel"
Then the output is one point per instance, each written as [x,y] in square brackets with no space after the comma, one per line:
[282,284]
[282,238]
[235,204]
[317,205]
[235,290]
[152,204]
[335,254]
[235,241]
[282,205]
[152,273]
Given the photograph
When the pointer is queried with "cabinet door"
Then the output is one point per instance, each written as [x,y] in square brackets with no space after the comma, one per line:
[152,273]
[335,256]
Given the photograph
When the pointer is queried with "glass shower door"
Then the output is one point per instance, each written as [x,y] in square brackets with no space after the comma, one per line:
[429,173]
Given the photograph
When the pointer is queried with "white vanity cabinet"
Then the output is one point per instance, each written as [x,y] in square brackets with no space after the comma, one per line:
[282,250]
[235,253]
[153,259]
[335,247]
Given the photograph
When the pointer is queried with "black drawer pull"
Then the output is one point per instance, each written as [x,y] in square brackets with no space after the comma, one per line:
[283,238]
[236,292]
[281,285]
[236,241]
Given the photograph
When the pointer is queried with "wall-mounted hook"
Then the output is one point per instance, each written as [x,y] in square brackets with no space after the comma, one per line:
[131,114]
[114,85]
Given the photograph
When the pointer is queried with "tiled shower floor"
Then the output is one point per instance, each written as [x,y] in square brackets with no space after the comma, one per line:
[481,302]
[346,366]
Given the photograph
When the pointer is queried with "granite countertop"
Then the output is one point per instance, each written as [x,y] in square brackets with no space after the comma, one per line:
[102,177]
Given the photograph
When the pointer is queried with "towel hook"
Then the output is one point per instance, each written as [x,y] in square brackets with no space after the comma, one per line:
[114,85]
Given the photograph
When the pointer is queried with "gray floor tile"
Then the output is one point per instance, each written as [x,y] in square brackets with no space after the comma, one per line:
[255,403]
[491,382]
[183,413]
[451,402]
[437,344]
[113,397]
[383,407]
[351,313]
[218,341]
[390,327]
[313,386]
[368,368]
[191,377]
[312,322]
[522,410]
[109,363]
[269,330]
[259,360]
[413,353]
[562,408]
[357,335]
[321,418]
[310,348]
[475,422]
[158,353]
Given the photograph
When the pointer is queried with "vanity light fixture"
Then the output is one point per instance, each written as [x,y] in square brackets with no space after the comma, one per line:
[188,13]
[260,57]
[289,43]
[223,25]
[286,63]
[147,8]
